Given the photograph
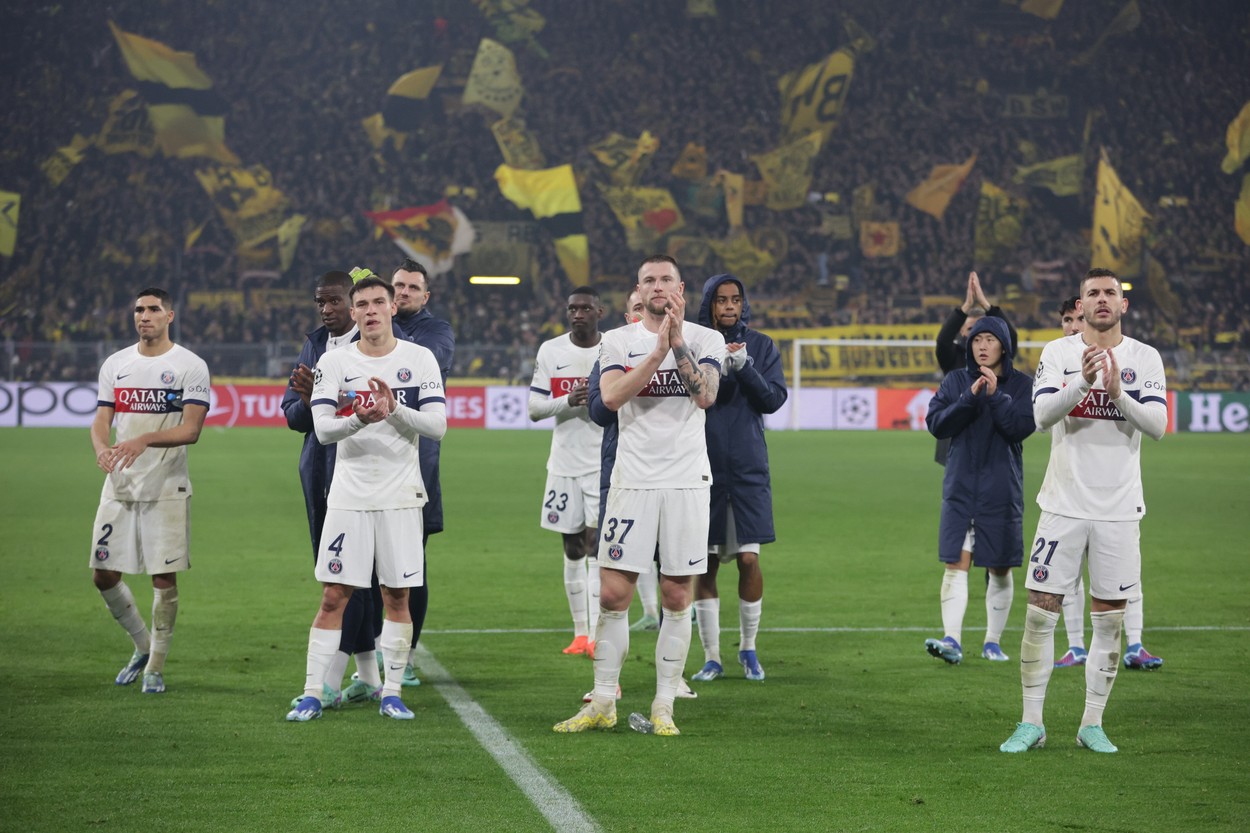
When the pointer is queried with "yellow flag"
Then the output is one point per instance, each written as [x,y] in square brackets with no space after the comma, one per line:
[934,194]
[127,128]
[406,98]
[1238,139]
[1241,215]
[879,239]
[625,158]
[10,205]
[812,98]
[788,171]
[517,144]
[1119,224]
[1045,9]
[1062,176]
[57,166]
[692,163]
[743,258]
[288,239]
[251,206]
[551,195]
[1125,21]
[647,214]
[378,133]
[1000,223]
[514,22]
[735,196]
[494,81]
[186,114]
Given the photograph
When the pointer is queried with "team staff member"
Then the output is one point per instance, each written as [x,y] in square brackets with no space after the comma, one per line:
[741,519]
[156,393]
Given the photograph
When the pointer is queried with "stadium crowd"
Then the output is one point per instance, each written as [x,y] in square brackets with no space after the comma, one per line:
[928,88]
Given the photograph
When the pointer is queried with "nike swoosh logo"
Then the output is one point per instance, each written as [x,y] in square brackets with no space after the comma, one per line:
[410,575]
[1070,372]
[350,378]
[1001,608]
[673,659]
[696,561]
[561,366]
[174,560]
[576,592]
[121,376]
[397,668]
[636,355]
[1029,661]
[1123,587]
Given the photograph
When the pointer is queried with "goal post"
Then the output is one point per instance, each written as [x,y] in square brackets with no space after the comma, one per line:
[871,363]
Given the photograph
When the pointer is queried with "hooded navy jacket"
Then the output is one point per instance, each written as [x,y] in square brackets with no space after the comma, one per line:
[735,427]
[435,335]
[984,480]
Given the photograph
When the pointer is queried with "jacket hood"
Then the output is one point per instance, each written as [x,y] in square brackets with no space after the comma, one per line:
[705,307]
[996,327]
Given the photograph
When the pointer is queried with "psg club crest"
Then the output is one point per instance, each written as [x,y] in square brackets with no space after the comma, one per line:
[553,517]
[167,377]
[1040,573]
[101,553]
[615,552]
[1128,375]
[335,566]
[404,374]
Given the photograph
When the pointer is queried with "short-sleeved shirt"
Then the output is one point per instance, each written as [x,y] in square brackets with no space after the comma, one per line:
[377,467]
[662,444]
[575,440]
[148,393]
[1095,454]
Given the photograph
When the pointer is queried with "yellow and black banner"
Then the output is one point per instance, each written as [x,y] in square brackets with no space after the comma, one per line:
[10,207]
[252,208]
[1045,9]
[934,194]
[788,171]
[406,105]
[813,98]
[127,128]
[57,166]
[551,196]
[514,22]
[879,239]
[1062,176]
[646,214]
[692,163]
[187,115]
[1000,223]
[517,144]
[494,81]
[625,158]
[1040,105]
[505,248]
[1119,224]
[744,258]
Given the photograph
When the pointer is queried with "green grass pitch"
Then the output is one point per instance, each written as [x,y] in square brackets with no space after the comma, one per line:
[856,728]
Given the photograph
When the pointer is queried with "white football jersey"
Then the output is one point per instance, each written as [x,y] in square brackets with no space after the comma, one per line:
[662,444]
[575,440]
[147,393]
[378,467]
[1095,454]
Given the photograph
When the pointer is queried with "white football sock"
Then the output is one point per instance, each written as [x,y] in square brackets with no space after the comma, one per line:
[954,599]
[575,591]
[592,596]
[164,614]
[367,669]
[323,644]
[1134,621]
[998,594]
[1074,615]
[749,622]
[336,669]
[610,651]
[707,612]
[1103,663]
[1037,660]
[395,640]
[649,593]
[671,649]
[121,603]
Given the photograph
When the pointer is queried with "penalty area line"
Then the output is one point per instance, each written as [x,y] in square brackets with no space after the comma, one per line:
[561,810]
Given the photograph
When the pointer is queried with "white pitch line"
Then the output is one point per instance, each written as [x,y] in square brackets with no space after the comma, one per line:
[557,806]
[920,629]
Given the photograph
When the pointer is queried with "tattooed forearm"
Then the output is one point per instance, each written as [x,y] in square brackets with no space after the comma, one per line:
[701,383]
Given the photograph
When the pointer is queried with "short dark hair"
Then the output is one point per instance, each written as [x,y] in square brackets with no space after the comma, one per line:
[1099,272]
[660,259]
[371,281]
[410,265]
[586,290]
[335,277]
[1069,305]
[166,299]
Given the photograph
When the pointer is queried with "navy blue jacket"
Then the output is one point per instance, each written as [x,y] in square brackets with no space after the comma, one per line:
[735,428]
[605,418]
[435,335]
[316,461]
[984,480]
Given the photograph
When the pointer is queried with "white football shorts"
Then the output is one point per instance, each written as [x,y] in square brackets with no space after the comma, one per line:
[570,504]
[1059,548]
[354,542]
[637,520]
[729,550]
[142,536]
